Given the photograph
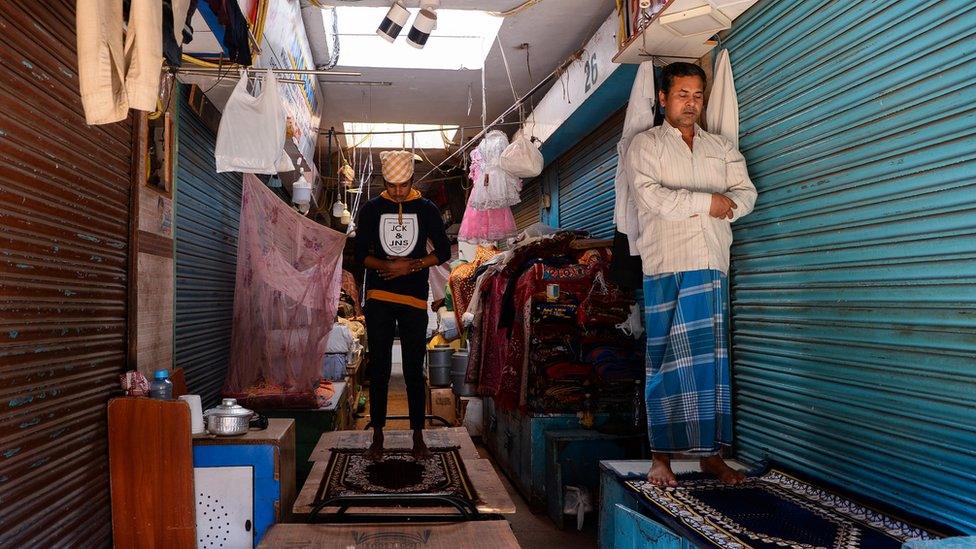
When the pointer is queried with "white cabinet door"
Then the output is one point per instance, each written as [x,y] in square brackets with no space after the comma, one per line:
[225,503]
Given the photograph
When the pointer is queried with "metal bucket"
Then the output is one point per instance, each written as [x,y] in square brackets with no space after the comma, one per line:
[439,366]
[459,363]
[459,369]
[464,389]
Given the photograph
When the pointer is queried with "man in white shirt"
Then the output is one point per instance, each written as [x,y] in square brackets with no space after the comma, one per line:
[338,352]
[689,186]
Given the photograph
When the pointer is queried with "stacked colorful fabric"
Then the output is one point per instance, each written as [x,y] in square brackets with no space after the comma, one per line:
[617,397]
[462,280]
[614,363]
[562,396]
[532,352]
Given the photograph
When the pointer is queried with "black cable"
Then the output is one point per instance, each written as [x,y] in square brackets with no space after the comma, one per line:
[220,75]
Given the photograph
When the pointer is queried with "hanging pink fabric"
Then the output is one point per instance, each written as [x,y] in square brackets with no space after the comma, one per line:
[289,272]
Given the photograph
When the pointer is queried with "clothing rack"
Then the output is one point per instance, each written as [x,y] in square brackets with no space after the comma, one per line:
[590,244]
[419,131]
[231,75]
[233,68]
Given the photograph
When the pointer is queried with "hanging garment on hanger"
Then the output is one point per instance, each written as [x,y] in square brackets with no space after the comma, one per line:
[236,38]
[177,29]
[722,115]
[114,77]
[638,118]
[495,188]
[251,136]
[484,227]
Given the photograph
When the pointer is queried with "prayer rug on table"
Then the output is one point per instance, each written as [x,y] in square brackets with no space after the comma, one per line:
[349,473]
[774,510]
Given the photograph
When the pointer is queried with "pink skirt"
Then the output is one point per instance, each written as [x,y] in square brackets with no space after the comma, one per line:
[487,226]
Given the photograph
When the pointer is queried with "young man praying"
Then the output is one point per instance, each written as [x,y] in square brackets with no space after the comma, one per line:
[391,242]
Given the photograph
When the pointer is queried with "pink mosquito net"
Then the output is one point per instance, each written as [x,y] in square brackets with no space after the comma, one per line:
[289,272]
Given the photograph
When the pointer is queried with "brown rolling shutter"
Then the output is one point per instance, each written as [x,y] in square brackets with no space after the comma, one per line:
[64,224]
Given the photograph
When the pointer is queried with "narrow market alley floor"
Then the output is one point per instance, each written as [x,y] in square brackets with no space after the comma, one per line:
[533,531]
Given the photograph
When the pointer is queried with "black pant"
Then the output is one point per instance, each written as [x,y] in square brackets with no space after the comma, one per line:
[383,321]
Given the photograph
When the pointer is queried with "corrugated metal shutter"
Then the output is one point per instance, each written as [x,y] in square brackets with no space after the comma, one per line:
[527,212]
[64,208]
[854,282]
[586,174]
[208,209]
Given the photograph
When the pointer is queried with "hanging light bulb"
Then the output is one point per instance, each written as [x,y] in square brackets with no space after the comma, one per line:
[337,208]
[346,217]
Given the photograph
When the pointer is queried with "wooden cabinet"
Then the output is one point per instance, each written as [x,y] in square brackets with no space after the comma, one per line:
[572,458]
[151,469]
[518,443]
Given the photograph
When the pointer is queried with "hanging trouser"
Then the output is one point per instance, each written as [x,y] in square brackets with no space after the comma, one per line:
[383,321]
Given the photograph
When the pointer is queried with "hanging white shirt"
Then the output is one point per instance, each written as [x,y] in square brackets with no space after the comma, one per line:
[638,118]
[672,186]
[722,115]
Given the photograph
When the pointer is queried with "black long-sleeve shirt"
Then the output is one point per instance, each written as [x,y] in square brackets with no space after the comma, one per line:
[384,231]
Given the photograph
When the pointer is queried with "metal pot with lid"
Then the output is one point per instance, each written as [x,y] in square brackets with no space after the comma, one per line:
[228,419]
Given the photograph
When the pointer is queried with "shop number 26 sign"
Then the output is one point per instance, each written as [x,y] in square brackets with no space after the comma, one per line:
[592,73]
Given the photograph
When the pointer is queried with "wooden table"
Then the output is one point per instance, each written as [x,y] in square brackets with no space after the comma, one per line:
[311,423]
[493,499]
[450,436]
[491,534]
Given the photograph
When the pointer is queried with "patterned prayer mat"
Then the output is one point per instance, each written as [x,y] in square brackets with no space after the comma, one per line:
[774,510]
[349,473]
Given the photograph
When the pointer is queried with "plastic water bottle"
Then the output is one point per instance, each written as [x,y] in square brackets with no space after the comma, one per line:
[161,387]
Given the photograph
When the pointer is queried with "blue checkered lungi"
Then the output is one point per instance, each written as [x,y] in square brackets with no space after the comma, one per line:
[688,381]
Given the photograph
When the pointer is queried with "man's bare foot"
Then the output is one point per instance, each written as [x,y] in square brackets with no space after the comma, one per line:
[715,465]
[420,450]
[661,473]
[375,452]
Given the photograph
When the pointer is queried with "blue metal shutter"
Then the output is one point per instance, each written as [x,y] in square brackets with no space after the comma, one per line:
[527,211]
[853,282]
[208,209]
[586,175]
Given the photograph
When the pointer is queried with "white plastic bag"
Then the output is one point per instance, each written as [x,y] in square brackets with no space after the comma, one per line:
[522,159]
[251,136]
[632,326]
[284,164]
[447,324]
[577,501]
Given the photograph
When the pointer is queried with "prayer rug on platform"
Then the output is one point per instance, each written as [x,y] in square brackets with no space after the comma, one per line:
[774,510]
[349,473]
